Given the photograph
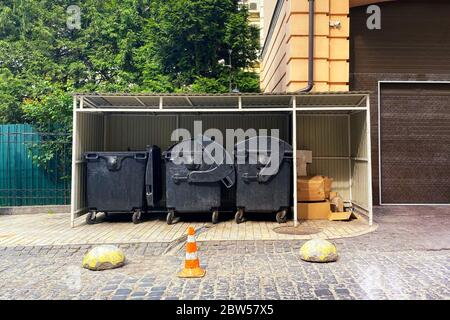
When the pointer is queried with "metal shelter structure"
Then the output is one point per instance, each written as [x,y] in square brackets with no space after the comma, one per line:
[334,121]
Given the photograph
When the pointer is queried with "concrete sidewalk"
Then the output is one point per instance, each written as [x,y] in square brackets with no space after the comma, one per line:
[54,229]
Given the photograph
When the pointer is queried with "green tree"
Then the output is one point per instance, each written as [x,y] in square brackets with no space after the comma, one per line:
[189,37]
[127,46]
[10,105]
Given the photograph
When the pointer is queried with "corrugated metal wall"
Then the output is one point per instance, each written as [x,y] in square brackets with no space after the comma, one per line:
[360,187]
[326,136]
[89,136]
[358,132]
[239,121]
[134,132]
[359,163]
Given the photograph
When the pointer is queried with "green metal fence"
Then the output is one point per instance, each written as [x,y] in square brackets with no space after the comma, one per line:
[26,178]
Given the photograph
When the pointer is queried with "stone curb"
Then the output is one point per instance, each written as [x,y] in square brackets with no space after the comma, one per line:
[33,210]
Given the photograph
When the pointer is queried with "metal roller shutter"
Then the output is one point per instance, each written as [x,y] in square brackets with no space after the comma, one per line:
[415,143]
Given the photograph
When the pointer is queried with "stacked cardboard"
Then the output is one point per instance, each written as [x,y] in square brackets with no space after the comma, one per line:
[317,188]
[319,210]
[316,200]
[313,196]
[310,189]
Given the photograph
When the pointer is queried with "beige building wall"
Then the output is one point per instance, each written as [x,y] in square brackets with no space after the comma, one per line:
[268,9]
[284,65]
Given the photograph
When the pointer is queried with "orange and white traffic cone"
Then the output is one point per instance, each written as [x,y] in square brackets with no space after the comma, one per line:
[192,264]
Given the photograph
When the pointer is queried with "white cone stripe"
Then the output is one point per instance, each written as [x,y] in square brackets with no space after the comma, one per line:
[191,256]
[191,239]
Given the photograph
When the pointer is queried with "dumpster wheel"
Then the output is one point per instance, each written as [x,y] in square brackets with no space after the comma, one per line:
[281,216]
[137,217]
[91,217]
[171,219]
[239,216]
[215,217]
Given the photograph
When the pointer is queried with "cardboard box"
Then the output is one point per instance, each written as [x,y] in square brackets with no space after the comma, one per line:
[337,204]
[333,194]
[303,158]
[305,154]
[327,185]
[340,216]
[313,210]
[315,188]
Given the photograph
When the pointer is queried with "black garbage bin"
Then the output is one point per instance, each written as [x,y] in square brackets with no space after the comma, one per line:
[194,177]
[262,183]
[116,182]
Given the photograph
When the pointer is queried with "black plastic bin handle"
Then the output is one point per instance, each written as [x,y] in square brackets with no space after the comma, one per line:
[228,182]
[140,156]
[91,156]
[258,177]
[178,178]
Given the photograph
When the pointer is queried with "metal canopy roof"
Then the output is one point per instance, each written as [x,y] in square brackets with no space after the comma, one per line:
[125,101]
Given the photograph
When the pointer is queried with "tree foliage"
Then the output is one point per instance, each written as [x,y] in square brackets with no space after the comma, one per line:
[126,45]
[191,36]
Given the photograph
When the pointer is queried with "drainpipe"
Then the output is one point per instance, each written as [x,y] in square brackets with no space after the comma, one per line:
[311,50]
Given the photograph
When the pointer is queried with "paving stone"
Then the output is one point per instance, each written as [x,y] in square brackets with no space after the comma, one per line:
[138,294]
[406,258]
[123,291]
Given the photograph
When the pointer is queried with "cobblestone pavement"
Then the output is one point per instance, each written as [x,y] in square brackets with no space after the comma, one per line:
[408,257]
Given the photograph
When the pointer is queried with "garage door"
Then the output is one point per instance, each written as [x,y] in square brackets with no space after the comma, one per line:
[415,143]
